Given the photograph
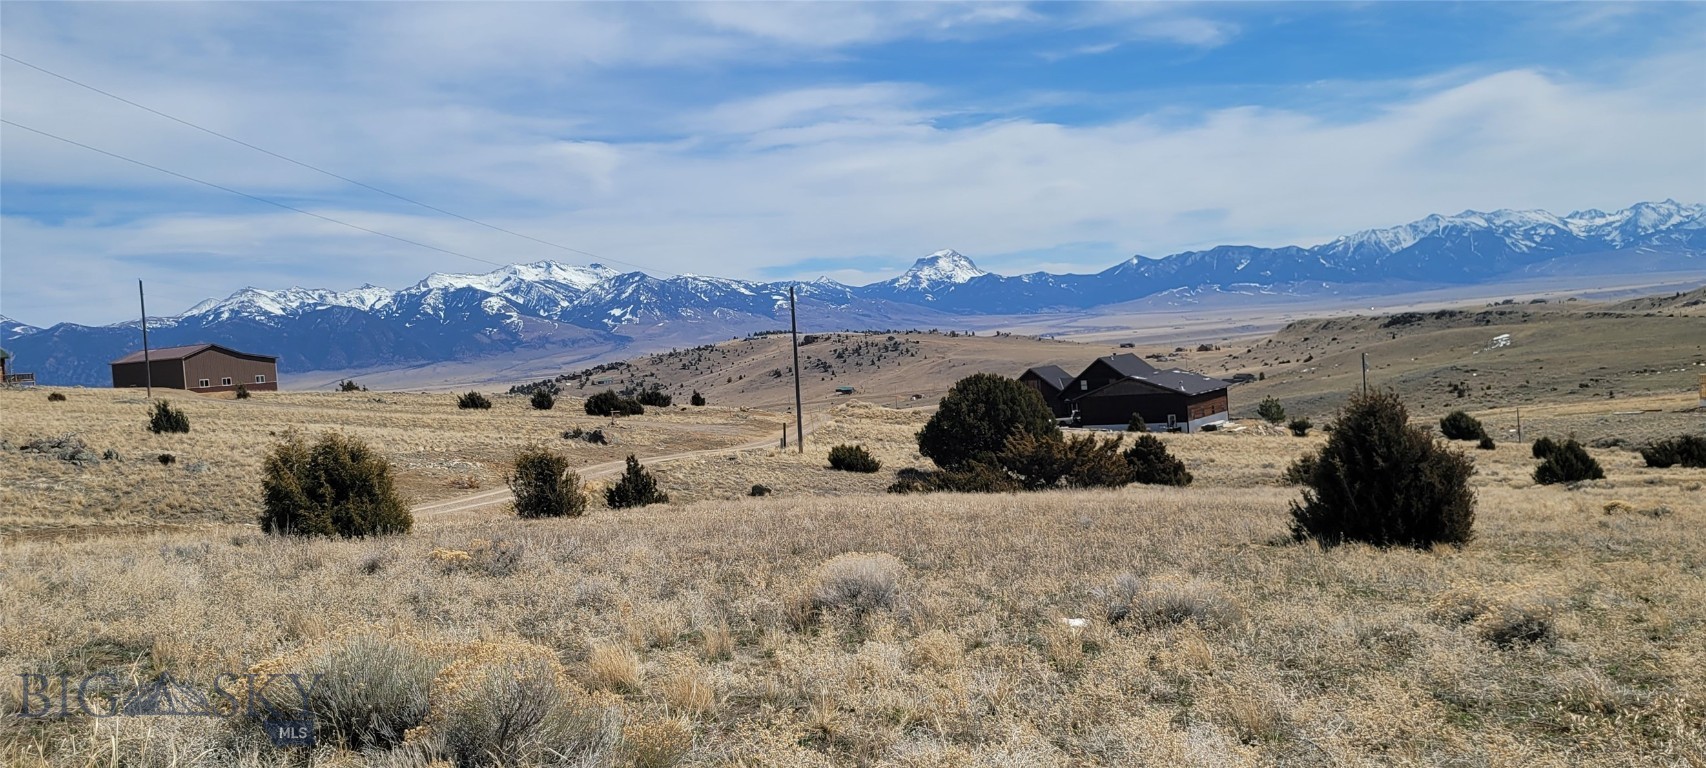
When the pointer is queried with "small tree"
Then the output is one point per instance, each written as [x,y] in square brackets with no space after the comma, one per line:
[1486,443]
[697,399]
[336,487]
[349,385]
[976,417]
[473,400]
[1137,424]
[543,485]
[1152,464]
[166,419]
[1300,427]
[654,397]
[852,458]
[242,392]
[608,403]
[542,400]
[1381,481]
[1568,463]
[637,488]
[1544,447]
[1271,410]
[1458,425]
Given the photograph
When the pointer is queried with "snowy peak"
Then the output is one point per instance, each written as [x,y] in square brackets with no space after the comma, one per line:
[945,267]
[1525,230]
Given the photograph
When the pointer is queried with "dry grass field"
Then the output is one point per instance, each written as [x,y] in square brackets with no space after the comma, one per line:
[832,624]
[438,450]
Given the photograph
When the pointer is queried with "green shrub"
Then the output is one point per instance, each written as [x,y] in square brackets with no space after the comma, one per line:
[1037,462]
[1544,447]
[1152,464]
[1137,424]
[349,385]
[1568,463]
[637,488]
[473,400]
[654,397]
[165,419]
[542,400]
[336,487]
[543,486]
[852,458]
[1486,443]
[976,417]
[166,459]
[242,392]
[1458,425]
[1300,427]
[759,490]
[1299,471]
[975,477]
[1687,450]
[1271,410]
[697,399]
[1381,481]
[608,403]
[55,397]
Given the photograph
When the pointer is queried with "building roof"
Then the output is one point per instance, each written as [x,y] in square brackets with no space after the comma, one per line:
[1127,364]
[179,353]
[1053,374]
[1183,382]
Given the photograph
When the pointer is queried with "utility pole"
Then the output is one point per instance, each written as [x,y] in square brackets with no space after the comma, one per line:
[799,411]
[147,365]
[1519,425]
[1365,374]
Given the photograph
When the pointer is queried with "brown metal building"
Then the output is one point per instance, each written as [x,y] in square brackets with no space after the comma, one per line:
[198,368]
[1114,387]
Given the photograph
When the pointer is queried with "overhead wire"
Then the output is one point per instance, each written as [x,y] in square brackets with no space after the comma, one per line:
[308,166]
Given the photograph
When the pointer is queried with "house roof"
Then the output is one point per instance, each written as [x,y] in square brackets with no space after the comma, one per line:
[1127,364]
[179,353]
[1053,374]
[1183,382]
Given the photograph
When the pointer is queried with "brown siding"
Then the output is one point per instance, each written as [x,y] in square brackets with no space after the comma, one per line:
[1050,394]
[168,374]
[1208,404]
[216,365]
[1117,408]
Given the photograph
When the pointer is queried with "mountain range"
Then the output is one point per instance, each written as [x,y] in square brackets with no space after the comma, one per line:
[552,307]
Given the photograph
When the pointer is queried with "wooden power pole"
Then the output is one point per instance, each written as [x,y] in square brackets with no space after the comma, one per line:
[147,365]
[799,411]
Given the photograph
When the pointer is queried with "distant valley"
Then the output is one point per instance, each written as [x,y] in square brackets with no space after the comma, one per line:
[569,314]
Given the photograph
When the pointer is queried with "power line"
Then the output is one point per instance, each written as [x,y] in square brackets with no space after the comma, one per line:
[247,195]
[310,167]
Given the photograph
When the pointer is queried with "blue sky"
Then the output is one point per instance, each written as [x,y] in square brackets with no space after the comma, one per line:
[793,140]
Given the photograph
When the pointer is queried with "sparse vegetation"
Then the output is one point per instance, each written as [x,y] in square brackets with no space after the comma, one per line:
[976,417]
[1381,481]
[1687,450]
[1486,443]
[1458,425]
[349,385]
[1568,462]
[473,400]
[335,487]
[697,400]
[1271,410]
[166,419]
[544,486]
[1544,447]
[542,400]
[608,403]
[242,392]
[594,436]
[654,397]
[1300,427]
[852,458]
[55,397]
[1137,424]
[636,488]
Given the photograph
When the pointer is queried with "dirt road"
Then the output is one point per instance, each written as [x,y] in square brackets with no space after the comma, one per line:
[594,471]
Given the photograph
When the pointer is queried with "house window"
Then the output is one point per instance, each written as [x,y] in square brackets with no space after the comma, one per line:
[203,383]
[1084,386]
[225,382]
[260,378]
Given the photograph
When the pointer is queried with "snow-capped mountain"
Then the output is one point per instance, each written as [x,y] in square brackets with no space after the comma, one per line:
[548,305]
